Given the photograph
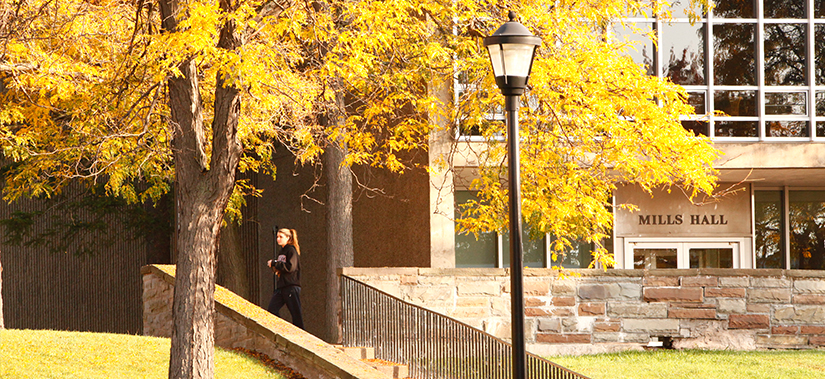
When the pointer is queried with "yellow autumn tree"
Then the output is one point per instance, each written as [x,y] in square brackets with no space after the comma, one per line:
[143,94]
[591,119]
[140,95]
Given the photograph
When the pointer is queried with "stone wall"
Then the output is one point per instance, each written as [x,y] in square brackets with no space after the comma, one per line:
[600,311]
[241,324]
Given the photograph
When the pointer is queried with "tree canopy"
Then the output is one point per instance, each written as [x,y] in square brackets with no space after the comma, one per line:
[134,93]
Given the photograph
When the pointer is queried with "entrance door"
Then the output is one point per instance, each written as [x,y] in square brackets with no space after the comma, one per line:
[661,255]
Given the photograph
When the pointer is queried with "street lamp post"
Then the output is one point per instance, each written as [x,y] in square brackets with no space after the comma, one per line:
[512,48]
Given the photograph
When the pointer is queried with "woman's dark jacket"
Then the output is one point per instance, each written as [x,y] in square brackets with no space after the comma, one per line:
[289,267]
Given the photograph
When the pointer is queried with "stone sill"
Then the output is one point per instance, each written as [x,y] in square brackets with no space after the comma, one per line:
[722,272]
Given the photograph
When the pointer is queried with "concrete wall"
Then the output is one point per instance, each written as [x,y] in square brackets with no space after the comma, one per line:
[240,324]
[625,309]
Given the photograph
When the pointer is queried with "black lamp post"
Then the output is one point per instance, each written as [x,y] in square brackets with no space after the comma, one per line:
[512,48]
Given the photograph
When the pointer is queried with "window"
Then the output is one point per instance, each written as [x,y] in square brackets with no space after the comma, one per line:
[761,62]
[469,251]
[807,229]
[769,221]
[492,249]
[790,233]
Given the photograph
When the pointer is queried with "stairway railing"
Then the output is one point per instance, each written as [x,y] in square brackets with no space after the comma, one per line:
[433,345]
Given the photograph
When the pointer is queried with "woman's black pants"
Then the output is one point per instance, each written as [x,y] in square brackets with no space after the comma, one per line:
[291,297]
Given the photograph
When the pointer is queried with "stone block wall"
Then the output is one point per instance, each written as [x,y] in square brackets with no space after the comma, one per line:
[241,324]
[591,311]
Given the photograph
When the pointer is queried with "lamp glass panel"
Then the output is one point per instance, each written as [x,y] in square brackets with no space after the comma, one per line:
[495,59]
[517,59]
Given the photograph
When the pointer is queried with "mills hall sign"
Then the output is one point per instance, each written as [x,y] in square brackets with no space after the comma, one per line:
[679,219]
[672,214]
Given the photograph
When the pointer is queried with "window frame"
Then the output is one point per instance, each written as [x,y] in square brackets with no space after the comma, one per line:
[760,21]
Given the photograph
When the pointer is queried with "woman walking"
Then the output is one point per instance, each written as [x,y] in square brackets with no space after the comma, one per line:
[287,269]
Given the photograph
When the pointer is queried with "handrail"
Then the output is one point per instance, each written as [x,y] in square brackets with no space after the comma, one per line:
[433,345]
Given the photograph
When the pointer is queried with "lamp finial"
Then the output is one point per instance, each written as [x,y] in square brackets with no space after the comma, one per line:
[511,15]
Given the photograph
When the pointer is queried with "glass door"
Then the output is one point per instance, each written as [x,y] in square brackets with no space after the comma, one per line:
[655,256]
[711,255]
[663,255]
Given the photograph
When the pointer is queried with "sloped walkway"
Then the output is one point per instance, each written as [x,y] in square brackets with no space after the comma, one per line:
[241,324]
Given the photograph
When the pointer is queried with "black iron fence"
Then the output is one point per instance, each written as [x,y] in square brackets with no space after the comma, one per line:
[433,345]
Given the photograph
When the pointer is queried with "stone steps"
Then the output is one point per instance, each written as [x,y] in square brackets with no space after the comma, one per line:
[367,355]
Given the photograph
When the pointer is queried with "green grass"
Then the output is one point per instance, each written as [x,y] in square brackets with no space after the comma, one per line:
[58,354]
[690,364]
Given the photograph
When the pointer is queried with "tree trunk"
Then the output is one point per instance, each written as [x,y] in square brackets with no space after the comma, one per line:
[193,307]
[202,195]
[2,324]
[339,234]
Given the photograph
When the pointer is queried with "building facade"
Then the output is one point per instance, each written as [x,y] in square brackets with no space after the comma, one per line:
[755,74]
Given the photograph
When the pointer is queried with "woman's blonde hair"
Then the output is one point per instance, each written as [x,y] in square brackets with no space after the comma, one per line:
[293,238]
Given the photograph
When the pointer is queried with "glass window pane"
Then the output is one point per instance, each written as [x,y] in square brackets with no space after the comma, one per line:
[735,103]
[785,46]
[769,221]
[785,8]
[578,256]
[469,130]
[734,9]
[469,251]
[697,127]
[820,103]
[786,128]
[807,222]
[654,258]
[819,8]
[683,45]
[786,103]
[819,54]
[711,258]
[534,250]
[820,128]
[736,128]
[734,61]
[478,127]
[680,8]
[639,47]
[697,101]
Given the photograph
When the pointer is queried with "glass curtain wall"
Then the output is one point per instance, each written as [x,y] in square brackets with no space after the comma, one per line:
[759,62]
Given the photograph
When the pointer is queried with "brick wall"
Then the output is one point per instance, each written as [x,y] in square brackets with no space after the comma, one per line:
[617,310]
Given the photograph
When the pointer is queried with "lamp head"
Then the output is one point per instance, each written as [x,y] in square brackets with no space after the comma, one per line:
[512,48]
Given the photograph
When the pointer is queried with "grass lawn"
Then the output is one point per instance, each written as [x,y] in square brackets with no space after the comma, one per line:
[58,354]
[690,364]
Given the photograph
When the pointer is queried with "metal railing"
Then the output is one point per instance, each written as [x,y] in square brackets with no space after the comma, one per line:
[433,345]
